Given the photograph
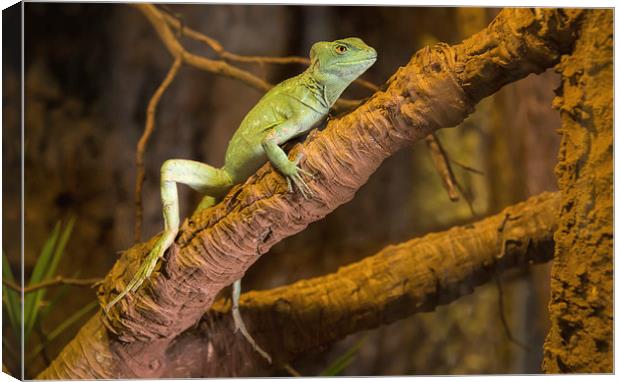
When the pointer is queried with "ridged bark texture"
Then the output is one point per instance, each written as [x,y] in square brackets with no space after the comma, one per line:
[581,308]
[415,276]
[411,277]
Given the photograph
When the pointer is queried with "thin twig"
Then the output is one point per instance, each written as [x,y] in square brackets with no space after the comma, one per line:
[502,316]
[467,199]
[441,160]
[158,20]
[58,280]
[466,167]
[176,16]
[442,165]
[219,49]
[291,370]
[148,130]
[501,238]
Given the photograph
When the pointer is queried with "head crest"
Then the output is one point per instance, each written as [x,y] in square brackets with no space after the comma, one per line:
[314,52]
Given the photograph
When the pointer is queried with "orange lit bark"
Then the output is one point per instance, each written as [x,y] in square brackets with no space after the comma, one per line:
[438,88]
[581,308]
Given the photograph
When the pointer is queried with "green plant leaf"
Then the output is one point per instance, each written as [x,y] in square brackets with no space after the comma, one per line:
[31,299]
[341,363]
[60,249]
[38,273]
[66,324]
[12,298]
[45,267]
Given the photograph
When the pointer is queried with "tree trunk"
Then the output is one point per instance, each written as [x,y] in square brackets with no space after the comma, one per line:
[581,306]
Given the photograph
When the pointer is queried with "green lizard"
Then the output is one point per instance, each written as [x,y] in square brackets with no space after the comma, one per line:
[288,110]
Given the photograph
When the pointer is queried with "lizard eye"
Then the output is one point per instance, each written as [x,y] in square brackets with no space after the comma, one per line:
[340,49]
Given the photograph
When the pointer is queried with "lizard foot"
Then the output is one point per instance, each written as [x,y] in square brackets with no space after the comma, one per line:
[146,268]
[296,178]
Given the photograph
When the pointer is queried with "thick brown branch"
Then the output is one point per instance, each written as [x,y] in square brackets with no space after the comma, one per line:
[437,88]
[415,276]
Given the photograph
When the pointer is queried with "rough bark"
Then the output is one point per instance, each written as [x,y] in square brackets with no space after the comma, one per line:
[581,306]
[411,277]
[437,88]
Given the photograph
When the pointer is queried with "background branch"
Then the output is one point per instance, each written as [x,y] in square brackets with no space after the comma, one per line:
[157,19]
[58,280]
[442,165]
[415,276]
[141,147]
[411,277]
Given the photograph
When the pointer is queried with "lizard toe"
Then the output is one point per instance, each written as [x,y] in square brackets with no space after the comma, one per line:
[303,186]
[290,186]
[307,173]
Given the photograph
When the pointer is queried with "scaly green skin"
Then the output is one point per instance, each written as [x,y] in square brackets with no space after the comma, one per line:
[288,110]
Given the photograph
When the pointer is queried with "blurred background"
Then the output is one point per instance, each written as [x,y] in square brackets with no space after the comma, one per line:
[90,71]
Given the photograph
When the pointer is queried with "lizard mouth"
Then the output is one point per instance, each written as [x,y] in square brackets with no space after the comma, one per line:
[373,59]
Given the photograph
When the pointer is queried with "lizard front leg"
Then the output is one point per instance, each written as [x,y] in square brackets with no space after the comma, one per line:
[280,161]
[199,176]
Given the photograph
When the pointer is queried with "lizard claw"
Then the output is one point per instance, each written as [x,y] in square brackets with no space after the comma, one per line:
[301,170]
[296,178]
[299,182]
[307,173]
[298,159]
[303,187]
[290,186]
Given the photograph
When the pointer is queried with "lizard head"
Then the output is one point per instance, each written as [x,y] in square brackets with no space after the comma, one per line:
[345,59]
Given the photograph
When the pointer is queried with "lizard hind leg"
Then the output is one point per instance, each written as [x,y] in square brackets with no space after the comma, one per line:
[206,202]
[196,175]
[240,325]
